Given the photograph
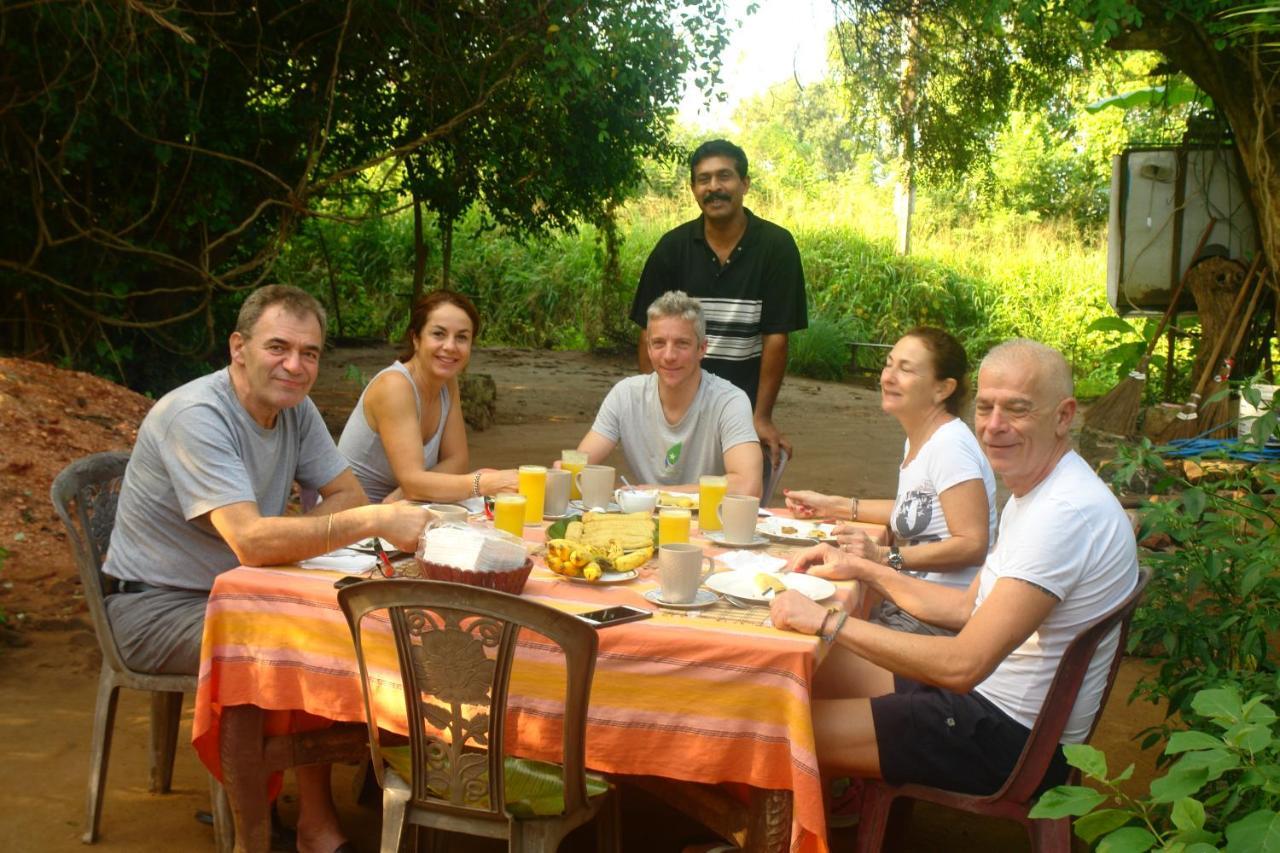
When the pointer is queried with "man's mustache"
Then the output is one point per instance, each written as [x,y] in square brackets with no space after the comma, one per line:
[716,196]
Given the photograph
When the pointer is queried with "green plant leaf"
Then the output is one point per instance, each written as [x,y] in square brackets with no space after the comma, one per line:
[1088,760]
[1249,737]
[1187,813]
[1186,741]
[1193,501]
[1221,703]
[1130,839]
[1111,324]
[1179,782]
[1258,832]
[1097,824]
[1066,801]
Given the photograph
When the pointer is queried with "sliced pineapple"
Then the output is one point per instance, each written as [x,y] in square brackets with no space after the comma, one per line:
[766,582]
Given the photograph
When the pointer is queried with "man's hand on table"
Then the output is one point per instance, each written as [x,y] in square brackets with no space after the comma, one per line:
[402,524]
[827,561]
[796,611]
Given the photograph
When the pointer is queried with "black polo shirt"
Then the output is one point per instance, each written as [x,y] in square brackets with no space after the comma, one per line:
[758,291]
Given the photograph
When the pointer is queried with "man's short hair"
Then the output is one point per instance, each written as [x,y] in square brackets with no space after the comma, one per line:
[677,303]
[1053,374]
[296,301]
[718,148]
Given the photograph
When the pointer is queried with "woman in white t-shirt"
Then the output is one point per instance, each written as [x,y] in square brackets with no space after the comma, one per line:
[405,438]
[943,518]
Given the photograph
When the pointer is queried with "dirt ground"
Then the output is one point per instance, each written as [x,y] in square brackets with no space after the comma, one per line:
[546,401]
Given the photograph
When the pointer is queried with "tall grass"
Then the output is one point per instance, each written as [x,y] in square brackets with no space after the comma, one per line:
[984,279]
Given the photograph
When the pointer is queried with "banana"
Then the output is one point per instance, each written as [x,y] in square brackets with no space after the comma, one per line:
[632,559]
[592,571]
[765,582]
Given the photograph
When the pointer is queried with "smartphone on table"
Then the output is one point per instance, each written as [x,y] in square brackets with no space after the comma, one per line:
[614,615]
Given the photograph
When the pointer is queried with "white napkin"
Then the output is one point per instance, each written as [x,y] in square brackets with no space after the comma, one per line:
[341,560]
[472,549]
[751,561]
[473,505]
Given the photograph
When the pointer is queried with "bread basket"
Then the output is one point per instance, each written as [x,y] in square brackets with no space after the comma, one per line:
[511,581]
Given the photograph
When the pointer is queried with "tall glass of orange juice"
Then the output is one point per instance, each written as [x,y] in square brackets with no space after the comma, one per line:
[573,461]
[711,491]
[673,526]
[508,513]
[533,485]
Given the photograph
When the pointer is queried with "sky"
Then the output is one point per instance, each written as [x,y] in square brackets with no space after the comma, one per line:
[782,40]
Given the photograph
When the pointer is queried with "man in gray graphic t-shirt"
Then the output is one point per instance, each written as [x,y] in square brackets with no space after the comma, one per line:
[678,422]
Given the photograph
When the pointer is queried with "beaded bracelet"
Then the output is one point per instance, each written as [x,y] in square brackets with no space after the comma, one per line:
[840,620]
[475,485]
[822,629]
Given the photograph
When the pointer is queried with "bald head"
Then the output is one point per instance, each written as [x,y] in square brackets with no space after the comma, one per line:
[1023,411]
[1050,371]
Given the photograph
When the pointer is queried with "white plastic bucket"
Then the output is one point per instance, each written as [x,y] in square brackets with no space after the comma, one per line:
[1248,414]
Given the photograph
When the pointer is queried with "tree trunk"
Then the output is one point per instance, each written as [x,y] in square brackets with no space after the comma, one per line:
[904,195]
[419,251]
[446,249]
[335,303]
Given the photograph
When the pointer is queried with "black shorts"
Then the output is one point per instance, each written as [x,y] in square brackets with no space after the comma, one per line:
[959,742]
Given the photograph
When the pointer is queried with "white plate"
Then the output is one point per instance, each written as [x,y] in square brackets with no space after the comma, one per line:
[703,598]
[743,585]
[717,536]
[607,577]
[693,510]
[801,532]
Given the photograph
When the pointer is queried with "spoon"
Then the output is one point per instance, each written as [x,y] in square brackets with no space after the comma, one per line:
[623,478]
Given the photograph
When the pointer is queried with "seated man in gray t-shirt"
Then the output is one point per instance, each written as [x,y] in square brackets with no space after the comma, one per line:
[678,422]
[206,489]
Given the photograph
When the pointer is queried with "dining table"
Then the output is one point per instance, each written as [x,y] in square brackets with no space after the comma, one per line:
[707,708]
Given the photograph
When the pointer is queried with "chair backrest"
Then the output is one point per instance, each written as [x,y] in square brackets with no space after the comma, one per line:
[85,495]
[455,645]
[1033,763]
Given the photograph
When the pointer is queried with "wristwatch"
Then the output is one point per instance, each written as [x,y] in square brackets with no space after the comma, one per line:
[895,559]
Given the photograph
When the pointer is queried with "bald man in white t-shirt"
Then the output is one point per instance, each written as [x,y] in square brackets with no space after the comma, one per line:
[955,712]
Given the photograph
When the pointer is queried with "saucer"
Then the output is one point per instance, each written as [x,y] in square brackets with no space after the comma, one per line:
[566,514]
[577,507]
[717,536]
[607,577]
[703,598]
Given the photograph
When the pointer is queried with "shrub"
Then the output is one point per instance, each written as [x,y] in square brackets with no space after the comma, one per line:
[820,351]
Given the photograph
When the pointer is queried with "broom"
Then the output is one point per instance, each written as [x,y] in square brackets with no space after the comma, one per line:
[1117,410]
[1217,411]
[1187,422]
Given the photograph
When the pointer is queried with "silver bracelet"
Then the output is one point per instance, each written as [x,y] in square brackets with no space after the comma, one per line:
[854,508]
[475,485]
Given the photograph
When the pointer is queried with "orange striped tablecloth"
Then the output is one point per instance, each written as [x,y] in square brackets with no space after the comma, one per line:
[679,695]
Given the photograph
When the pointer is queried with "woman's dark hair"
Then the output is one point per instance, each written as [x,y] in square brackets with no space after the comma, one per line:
[949,361]
[422,311]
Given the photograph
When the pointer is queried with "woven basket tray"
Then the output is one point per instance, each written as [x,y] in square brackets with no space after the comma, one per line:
[511,581]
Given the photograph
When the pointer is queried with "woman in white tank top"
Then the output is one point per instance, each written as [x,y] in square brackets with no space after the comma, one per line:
[405,438]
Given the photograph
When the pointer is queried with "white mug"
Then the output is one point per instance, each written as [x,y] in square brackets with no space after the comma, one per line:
[595,482]
[445,513]
[680,572]
[636,500]
[557,495]
[738,518]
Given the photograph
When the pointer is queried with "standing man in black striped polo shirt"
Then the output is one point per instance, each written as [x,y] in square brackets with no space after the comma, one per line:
[745,271]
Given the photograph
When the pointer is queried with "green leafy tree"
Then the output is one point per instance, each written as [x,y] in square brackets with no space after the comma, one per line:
[161,156]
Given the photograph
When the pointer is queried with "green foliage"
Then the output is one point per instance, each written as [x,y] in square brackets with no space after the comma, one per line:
[1213,603]
[822,350]
[1221,791]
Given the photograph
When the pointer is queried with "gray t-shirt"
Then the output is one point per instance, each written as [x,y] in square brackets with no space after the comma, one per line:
[719,418]
[198,449]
